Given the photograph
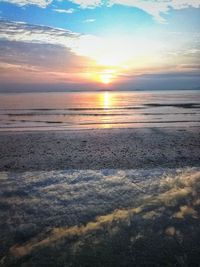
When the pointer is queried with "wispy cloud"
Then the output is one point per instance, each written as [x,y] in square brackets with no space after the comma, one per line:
[40,3]
[31,53]
[89,20]
[87,3]
[23,32]
[158,8]
[68,11]
[79,44]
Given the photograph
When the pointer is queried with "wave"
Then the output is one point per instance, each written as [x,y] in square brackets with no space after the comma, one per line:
[138,122]
[72,109]
[108,122]
[66,114]
[97,114]
[177,105]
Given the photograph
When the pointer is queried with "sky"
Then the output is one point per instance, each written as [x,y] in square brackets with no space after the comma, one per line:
[56,45]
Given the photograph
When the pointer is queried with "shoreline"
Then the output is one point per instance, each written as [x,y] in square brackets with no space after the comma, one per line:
[131,148]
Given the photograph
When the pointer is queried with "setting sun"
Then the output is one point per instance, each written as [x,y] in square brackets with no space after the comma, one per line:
[107,76]
[106,79]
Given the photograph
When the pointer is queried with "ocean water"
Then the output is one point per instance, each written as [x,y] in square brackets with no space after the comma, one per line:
[95,110]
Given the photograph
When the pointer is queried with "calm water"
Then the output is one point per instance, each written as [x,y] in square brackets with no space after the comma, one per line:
[88,110]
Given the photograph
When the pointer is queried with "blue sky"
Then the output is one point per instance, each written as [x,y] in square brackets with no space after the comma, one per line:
[94,44]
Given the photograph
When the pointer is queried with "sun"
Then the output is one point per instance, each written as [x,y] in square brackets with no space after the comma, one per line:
[105,78]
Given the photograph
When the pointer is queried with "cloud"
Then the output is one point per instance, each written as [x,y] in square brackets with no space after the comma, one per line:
[89,20]
[99,56]
[78,44]
[87,3]
[30,53]
[40,3]
[155,8]
[38,56]
[158,8]
[190,66]
[68,11]
[23,32]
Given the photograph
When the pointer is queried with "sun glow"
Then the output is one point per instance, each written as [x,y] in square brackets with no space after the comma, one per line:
[106,78]
[110,53]
[112,58]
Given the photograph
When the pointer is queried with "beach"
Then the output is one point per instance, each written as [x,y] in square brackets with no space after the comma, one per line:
[107,217]
[97,149]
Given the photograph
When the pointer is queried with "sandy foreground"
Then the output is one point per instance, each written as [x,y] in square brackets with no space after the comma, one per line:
[97,149]
[100,218]
[103,198]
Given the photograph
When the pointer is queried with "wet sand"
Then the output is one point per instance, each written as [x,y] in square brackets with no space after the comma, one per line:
[100,149]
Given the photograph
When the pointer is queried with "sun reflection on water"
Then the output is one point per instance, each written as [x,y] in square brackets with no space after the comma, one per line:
[106,102]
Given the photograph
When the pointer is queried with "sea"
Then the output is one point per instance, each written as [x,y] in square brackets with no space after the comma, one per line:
[98,110]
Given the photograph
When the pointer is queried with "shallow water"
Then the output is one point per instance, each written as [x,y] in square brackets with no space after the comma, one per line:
[93,110]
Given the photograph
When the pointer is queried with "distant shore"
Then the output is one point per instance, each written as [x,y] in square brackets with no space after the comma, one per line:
[100,149]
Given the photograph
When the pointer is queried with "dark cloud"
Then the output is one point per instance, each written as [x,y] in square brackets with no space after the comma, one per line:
[45,56]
